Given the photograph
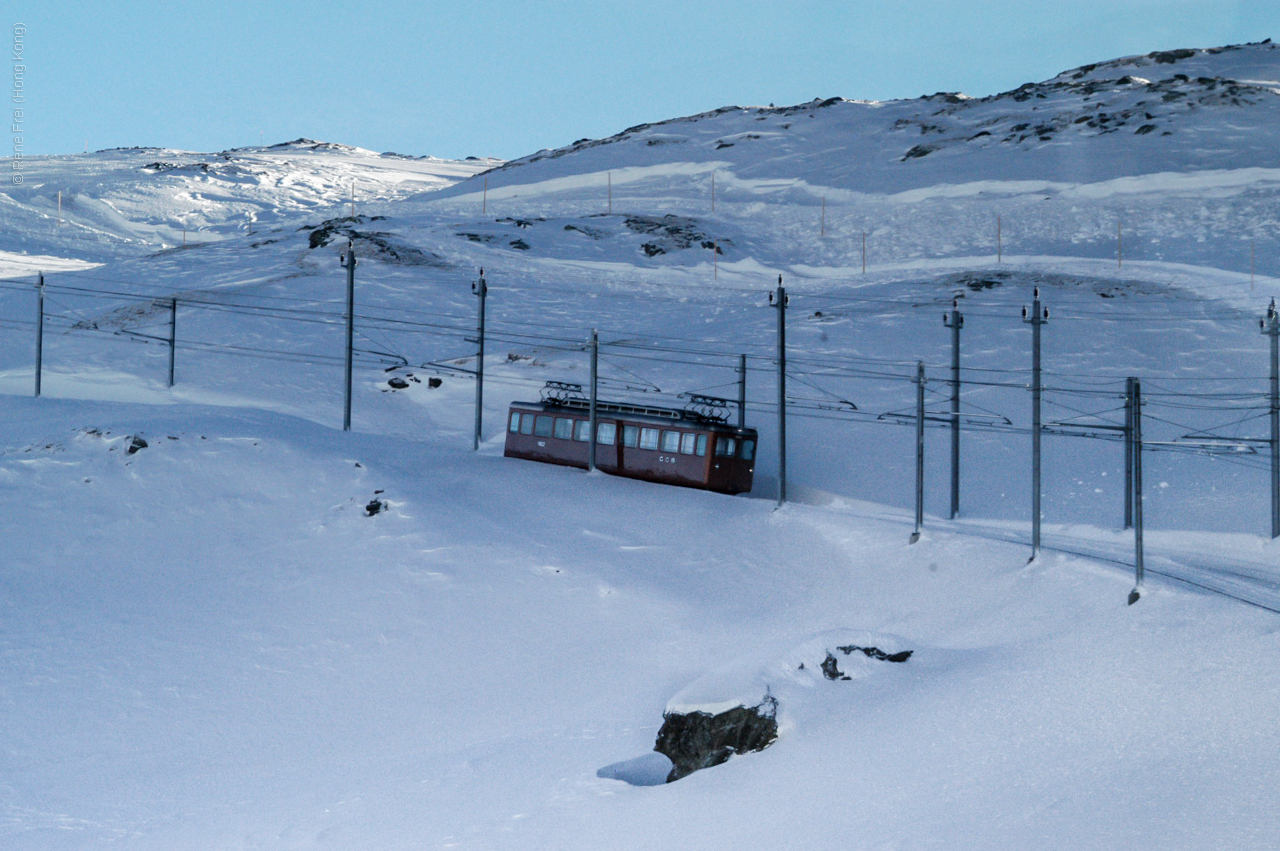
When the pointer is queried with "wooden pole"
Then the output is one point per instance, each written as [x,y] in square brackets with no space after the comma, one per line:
[1138,567]
[920,382]
[481,289]
[39,329]
[780,297]
[594,405]
[173,335]
[350,262]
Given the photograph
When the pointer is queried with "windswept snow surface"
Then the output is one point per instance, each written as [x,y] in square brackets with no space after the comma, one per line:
[212,641]
[128,201]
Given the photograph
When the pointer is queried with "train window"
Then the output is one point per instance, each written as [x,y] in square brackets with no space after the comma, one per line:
[630,435]
[581,430]
[748,449]
[606,433]
[526,423]
[687,443]
[702,446]
[564,428]
[542,426]
[671,441]
[725,446]
[515,422]
[648,438]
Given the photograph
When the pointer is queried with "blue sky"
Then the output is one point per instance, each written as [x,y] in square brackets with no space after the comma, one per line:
[504,79]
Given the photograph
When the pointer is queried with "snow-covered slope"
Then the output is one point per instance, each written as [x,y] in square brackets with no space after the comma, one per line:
[130,201]
[1062,163]
[1190,111]
[258,631]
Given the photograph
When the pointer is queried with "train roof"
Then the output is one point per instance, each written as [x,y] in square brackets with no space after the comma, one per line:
[646,413]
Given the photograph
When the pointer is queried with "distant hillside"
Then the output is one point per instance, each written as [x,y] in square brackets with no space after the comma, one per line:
[1176,110]
[128,201]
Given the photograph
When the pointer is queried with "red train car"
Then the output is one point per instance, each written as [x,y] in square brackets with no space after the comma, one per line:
[692,447]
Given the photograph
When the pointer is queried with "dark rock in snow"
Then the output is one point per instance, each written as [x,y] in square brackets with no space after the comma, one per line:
[397,382]
[831,666]
[671,232]
[433,383]
[135,443]
[375,506]
[375,245]
[700,740]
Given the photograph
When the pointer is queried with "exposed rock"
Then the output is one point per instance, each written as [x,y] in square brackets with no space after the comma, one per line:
[831,666]
[376,245]
[397,382]
[700,740]
[736,708]
[375,506]
[135,443]
[671,232]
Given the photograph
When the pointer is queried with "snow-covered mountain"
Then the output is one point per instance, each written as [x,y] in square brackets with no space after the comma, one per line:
[226,623]
[130,201]
[1192,110]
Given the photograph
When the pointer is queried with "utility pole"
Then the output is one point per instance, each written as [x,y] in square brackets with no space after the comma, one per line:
[742,391]
[920,382]
[955,321]
[173,335]
[1135,402]
[39,329]
[1039,316]
[481,289]
[349,262]
[591,417]
[1128,453]
[1271,327]
[779,300]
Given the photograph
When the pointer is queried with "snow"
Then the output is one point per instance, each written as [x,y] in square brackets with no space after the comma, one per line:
[209,643]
